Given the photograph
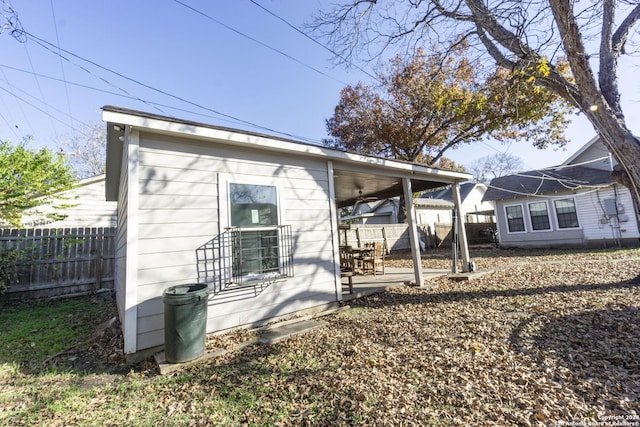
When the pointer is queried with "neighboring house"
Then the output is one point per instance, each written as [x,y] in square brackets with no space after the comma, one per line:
[431,207]
[376,212]
[87,207]
[436,206]
[574,204]
[433,211]
[253,216]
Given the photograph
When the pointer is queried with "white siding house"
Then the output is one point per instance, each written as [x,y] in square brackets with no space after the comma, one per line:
[182,185]
[435,207]
[375,212]
[86,207]
[574,204]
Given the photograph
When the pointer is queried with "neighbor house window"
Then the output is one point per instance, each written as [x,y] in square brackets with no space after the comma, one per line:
[566,213]
[539,216]
[515,218]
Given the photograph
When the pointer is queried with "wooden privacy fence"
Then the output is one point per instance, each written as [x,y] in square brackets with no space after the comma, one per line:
[477,233]
[53,263]
[396,236]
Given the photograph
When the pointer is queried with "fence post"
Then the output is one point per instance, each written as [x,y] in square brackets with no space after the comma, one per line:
[99,260]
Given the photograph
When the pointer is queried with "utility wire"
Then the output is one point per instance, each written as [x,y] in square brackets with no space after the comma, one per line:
[53,49]
[13,128]
[119,94]
[72,126]
[17,31]
[26,118]
[64,77]
[258,41]
[38,108]
[39,86]
[337,55]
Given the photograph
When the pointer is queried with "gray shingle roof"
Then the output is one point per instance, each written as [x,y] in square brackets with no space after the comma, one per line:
[546,181]
[447,194]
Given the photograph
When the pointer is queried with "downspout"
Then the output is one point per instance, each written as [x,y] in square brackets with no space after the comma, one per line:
[413,232]
[467,266]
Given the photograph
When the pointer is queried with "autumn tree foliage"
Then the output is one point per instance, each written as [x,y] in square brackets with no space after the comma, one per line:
[429,104]
[535,38]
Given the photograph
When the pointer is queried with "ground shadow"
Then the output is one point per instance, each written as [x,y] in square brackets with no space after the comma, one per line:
[599,348]
[431,297]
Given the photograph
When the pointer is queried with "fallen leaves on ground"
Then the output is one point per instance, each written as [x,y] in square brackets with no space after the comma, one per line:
[539,341]
[546,338]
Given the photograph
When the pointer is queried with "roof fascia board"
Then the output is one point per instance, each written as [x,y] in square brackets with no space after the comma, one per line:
[246,140]
[582,149]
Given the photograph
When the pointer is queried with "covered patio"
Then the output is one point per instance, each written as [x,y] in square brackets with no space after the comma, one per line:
[393,277]
[359,178]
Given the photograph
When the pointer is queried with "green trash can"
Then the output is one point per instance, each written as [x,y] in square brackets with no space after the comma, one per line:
[185,321]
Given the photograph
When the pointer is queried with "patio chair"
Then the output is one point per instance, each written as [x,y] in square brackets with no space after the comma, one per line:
[373,262]
[347,267]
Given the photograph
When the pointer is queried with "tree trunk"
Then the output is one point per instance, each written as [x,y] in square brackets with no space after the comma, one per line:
[624,147]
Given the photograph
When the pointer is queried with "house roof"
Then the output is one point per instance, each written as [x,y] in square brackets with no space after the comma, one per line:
[581,150]
[433,203]
[446,193]
[546,181]
[354,174]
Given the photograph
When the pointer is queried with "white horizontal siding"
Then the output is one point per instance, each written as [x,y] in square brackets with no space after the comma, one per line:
[179,210]
[309,287]
[597,225]
[594,224]
[87,207]
[550,238]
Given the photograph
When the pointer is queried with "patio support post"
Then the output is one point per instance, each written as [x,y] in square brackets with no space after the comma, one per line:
[335,227]
[462,232]
[413,232]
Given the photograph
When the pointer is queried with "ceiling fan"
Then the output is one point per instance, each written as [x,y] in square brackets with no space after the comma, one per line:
[365,199]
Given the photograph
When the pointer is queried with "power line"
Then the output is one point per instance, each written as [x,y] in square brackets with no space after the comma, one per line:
[16,30]
[38,108]
[13,128]
[52,48]
[47,106]
[337,55]
[39,86]
[159,104]
[258,42]
[72,126]
[56,49]
[26,118]
[64,77]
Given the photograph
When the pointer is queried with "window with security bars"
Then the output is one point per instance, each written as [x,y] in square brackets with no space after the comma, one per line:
[539,216]
[566,213]
[255,250]
[515,218]
[239,257]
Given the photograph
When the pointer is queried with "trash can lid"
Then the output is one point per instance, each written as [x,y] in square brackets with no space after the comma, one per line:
[185,294]
[184,289]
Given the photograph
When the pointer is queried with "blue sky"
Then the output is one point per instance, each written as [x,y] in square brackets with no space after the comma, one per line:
[169,47]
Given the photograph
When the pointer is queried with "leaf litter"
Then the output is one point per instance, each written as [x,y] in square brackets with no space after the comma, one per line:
[548,338]
[540,341]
